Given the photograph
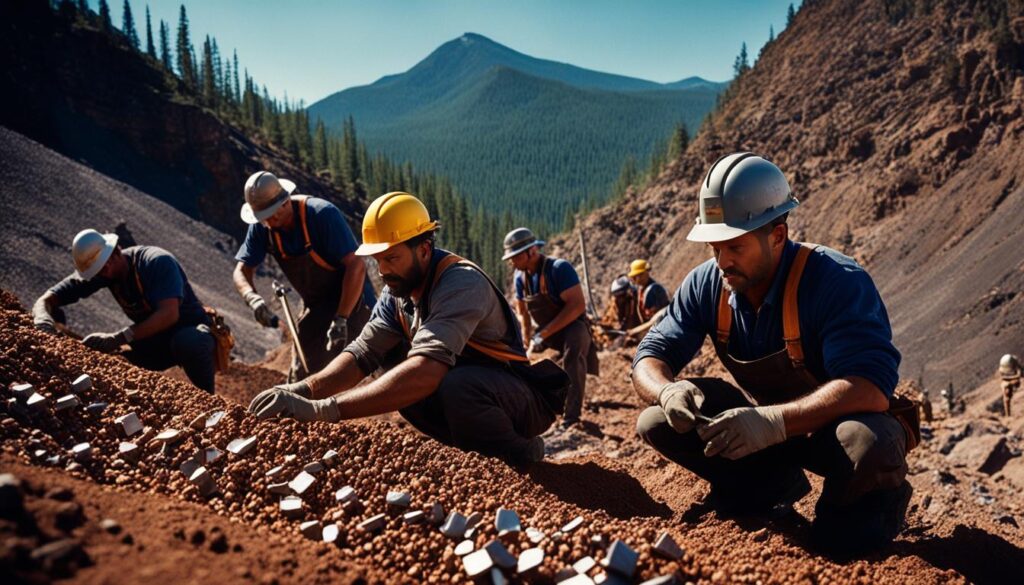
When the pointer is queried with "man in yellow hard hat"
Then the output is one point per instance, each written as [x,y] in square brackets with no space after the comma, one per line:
[454,362]
[169,325]
[315,248]
[651,297]
[549,300]
[814,372]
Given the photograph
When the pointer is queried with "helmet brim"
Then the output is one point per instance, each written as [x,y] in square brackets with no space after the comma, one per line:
[97,265]
[715,232]
[371,249]
[251,216]
[522,248]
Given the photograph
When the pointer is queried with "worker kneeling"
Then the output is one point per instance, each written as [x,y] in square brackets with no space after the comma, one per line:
[456,366]
[815,377]
[171,327]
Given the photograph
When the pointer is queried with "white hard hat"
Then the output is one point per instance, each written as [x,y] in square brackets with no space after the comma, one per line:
[90,250]
[264,194]
[1009,364]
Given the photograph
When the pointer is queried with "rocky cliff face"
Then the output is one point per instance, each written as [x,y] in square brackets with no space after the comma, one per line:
[899,127]
[94,99]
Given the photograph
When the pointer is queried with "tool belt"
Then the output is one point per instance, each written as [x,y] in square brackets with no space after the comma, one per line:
[908,413]
[223,337]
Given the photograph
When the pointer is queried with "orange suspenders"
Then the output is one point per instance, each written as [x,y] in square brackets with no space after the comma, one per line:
[790,316]
[495,349]
[301,199]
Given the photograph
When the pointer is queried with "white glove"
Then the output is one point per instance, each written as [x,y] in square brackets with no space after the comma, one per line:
[681,402]
[337,334]
[738,432]
[536,343]
[260,311]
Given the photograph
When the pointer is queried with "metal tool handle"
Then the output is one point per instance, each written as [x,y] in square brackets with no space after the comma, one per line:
[281,292]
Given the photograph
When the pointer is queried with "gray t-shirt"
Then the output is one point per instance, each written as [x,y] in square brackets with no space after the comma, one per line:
[461,306]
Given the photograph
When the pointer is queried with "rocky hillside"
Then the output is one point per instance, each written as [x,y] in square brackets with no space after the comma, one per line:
[94,99]
[899,127]
[48,198]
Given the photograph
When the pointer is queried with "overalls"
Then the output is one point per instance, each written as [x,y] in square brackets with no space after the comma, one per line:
[189,345]
[574,342]
[319,284]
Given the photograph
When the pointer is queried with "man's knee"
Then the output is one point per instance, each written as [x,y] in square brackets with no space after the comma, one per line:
[576,339]
[875,446]
[651,421]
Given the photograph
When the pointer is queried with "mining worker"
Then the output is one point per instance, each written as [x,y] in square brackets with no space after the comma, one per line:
[814,377]
[1009,374]
[455,364]
[315,248]
[170,326]
[651,297]
[551,308]
[622,309]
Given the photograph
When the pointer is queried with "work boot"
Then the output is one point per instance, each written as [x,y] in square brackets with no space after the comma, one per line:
[756,502]
[532,453]
[864,526]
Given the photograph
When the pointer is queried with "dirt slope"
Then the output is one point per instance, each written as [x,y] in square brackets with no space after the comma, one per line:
[902,139]
[48,198]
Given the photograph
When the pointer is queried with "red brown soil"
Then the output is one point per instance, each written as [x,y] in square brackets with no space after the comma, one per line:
[903,140]
[628,493]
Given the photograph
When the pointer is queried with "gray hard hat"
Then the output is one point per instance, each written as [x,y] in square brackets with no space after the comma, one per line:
[741,193]
[621,285]
[264,195]
[1009,365]
[518,240]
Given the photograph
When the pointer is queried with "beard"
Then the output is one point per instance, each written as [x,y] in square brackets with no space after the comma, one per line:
[402,285]
[743,281]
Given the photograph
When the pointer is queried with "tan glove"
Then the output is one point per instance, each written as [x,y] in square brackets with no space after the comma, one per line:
[681,402]
[738,432]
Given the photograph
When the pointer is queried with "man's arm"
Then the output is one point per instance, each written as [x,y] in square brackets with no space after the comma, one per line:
[574,306]
[411,381]
[165,316]
[525,323]
[649,376]
[244,279]
[834,399]
[341,374]
[352,284]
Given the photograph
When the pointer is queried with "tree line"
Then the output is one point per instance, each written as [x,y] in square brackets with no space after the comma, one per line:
[224,87]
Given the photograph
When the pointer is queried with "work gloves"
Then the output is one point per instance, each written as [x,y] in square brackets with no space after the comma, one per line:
[41,317]
[293,401]
[264,316]
[681,402]
[536,343]
[337,334]
[109,342]
[738,432]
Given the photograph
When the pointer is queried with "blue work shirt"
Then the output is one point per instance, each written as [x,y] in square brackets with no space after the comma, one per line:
[844,327]
[161,276]
[560,276]
[655,296]
[329,235]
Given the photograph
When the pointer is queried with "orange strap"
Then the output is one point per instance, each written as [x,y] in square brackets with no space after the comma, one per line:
[493,349]
[543,281]
[308,243]
[790,314]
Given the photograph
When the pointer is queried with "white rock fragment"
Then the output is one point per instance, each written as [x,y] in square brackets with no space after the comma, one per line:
[23,391]
[211,454]
[280,489]
[241,446]
[535,536]
[398,499]
[667,547]
[275,472]
[500,555]
[82,451]
[129,423]
[454,526]
[168,436]
[202,479]
[213,419]
[302,482]
[330,458]
[464,548]
[529,560]
[312,529]
[506,521]
[291,506]
[477,563]
[330,533]
[620,559]
[67,402]
[96,408]
[436,515]
[313,467]
[81,383]
[414,517]
[36,401]
[345,494]
[373,523]
[128,451]
[572,525]
[584,565]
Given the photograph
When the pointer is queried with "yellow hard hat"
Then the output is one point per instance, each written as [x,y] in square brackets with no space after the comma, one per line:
[391,219]
[638,267]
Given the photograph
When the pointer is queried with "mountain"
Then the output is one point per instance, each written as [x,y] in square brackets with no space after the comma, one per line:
[516,131]
[900,129]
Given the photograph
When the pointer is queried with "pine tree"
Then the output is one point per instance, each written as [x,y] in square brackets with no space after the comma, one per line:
[128,26]
[742,63]
[186,58]
[209,79]
[790,15]
[150,47]
[237,91]
[165,46]
[83,9]
[771,33]
[679,143]
[105,24]
[320,146]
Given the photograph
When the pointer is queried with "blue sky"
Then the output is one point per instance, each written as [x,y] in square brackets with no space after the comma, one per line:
[312,48]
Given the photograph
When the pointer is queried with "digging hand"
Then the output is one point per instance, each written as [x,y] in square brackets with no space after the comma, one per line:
[536,343]
[108,342]
[260,311]
[337,335]
[42,319]
[738,432]
[681,402]
[279,400]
